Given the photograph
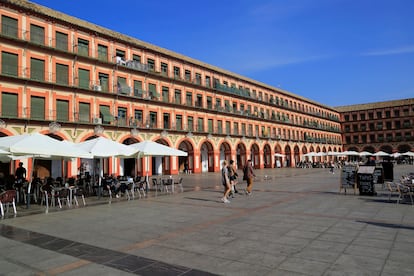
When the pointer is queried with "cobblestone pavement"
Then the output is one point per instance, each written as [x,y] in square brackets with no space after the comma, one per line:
[294,223]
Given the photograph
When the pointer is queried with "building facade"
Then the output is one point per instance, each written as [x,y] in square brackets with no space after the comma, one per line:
[73,80]
[381,126]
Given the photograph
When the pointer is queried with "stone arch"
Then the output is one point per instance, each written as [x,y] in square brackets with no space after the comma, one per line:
[241,155]
[225,152]
[186,161]
[255,155]
[207,156]
[267,156]
[288,152]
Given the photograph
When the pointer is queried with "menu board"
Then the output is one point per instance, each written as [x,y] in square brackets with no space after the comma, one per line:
[366,176]
[348,178]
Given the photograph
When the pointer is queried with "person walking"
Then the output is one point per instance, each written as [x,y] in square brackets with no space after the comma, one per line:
[233,178]
[225,179]
[248,175]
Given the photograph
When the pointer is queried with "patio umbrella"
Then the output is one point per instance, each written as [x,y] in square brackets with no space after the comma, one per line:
[396,155]
[150,148]
[381,153]
[278,155]
[350,153]
[102,147]
[365,153]
[408,153]
[39,146]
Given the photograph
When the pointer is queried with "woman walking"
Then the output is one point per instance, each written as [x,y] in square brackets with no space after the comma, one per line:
[248,176]
[225,179]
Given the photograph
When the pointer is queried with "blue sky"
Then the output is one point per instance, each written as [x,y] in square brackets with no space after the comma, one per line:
[335,52]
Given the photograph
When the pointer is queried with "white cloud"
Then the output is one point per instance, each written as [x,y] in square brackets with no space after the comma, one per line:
[394,51]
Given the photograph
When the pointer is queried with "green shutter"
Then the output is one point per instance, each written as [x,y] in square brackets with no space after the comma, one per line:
[102,52]
[37,108]
[138,88]
[37,34]
[84,78]
[37,69]
[9,64]
[62,110]
[62,74]
[83,47]
[104,82]
[9,26]
[105,114]
[84,111]
[9,105]
[61,41]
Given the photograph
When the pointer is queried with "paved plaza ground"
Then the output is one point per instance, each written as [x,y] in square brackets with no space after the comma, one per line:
[294,223]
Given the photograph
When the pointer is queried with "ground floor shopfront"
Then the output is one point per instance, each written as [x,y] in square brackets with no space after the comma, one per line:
[205,153]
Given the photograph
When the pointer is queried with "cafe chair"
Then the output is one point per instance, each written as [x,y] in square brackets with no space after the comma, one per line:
[180,183]
[392,189]
[404,191]
[139,185]
[8,198]
[157,184]
[79,192]
[63,197]
[168,182]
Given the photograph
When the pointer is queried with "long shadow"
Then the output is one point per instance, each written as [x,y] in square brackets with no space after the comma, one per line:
[389,225]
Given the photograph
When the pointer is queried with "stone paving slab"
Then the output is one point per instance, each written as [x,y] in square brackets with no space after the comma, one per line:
[295,223]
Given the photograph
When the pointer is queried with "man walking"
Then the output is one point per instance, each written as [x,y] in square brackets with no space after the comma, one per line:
[248,176]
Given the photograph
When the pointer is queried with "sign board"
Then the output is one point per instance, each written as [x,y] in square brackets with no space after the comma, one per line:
[348,178]
[366,183]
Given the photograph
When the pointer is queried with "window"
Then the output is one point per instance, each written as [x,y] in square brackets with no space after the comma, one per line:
[178,122]
[104,81]
[177,96]
[396,113]
[187,75]
[84,112]
[362,115]
[165,94]
[122,115]
[138,89]
[219,126]
[177,73]
[209,102]
[166,124]
[387,114]
[379,114]
[388,125]
[228,128]
[210,125]
[61,41]
[102,52]
[200,125]
[371,115]
[138,118]
[189,98]
[190,123]
[37,69]
[354,117]
[120,53]
[153,119]
[243,129]
[136,58]
[62,74]
[164,69]
[37,108]
[62,110]
[236,128]
[198,79]
[199,101]
[122,87]
[208,81]
[9,64]
[83,78]
[9,26]
[152,90]
[151,64]
[83,47]
[9,105]
[105,114]
[37,34]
